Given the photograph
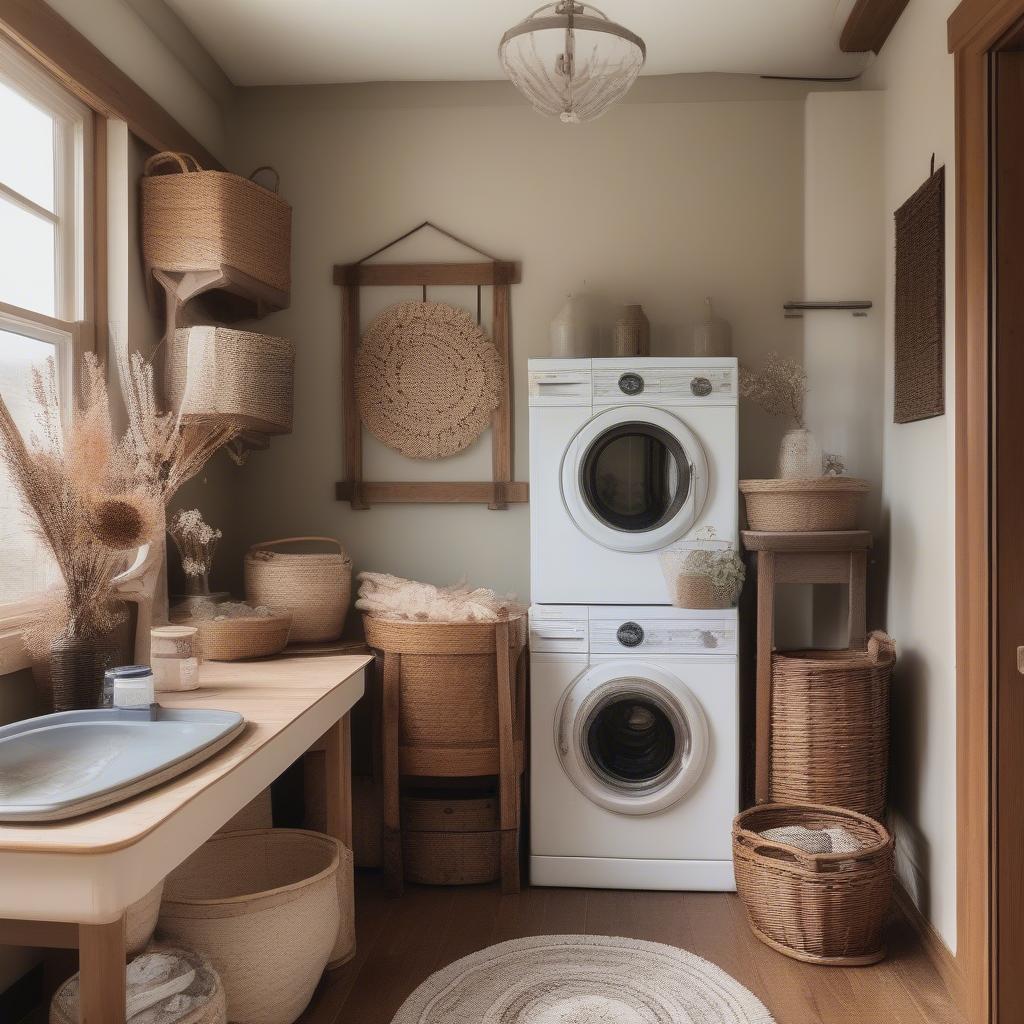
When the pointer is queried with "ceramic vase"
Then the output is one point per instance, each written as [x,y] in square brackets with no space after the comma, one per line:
[633,332]
[573,334]
[799,455]
[713,337]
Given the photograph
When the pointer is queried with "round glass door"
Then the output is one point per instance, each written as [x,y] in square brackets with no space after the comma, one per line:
[634,479]
[631,742]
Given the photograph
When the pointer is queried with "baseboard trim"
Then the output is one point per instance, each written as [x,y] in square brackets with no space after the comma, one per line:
[941,956]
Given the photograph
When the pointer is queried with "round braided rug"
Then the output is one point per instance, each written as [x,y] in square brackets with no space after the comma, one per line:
[427,379]
[582,979]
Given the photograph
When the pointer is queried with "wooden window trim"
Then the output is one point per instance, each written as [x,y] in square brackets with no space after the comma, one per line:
[85,72]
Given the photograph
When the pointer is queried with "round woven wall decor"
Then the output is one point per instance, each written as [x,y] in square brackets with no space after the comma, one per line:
[427,379]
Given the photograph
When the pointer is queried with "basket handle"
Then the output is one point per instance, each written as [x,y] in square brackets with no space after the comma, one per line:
[264,545]
[273,170]
[758,844]
[168,157]
[881,648]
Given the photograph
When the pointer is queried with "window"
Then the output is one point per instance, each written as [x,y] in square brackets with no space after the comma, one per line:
[44,140]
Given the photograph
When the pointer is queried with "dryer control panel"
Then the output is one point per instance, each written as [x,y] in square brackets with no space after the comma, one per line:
[675,382]
[632,630]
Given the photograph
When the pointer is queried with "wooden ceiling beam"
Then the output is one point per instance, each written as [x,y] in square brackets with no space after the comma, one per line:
[85,71]
[869,25]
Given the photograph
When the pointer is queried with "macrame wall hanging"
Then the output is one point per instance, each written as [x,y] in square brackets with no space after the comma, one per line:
[425,379]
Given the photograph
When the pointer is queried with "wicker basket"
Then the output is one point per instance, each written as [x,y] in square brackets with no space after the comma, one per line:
[816,505]
[263,906]
[452,839]
[830,726]
[448,718]
[201,1003]
[216,372]
[140,921]
[314,587]
[824,908]
[237,639]
[204,220]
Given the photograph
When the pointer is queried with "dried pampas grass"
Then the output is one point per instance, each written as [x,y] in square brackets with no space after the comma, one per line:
[780,388]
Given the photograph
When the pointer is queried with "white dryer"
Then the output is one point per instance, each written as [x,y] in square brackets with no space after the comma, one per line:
[626,457]
[634,760]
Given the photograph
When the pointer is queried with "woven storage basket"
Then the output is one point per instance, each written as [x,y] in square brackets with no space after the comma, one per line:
[816,505]
[263,906]
[451,839]
[220,373]
[830,726]
[448,717]
[237,639]
[314,587]
[140,921]
[204,998]
[824,908]
[203,220]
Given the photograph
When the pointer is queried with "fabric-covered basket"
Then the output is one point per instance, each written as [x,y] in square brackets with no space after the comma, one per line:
[821,908]
[830,726]
[264,907]
[194,219]
[216,372]
[315,588]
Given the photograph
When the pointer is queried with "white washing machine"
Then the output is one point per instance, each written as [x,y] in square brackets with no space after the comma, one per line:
[634,759]
[626,456]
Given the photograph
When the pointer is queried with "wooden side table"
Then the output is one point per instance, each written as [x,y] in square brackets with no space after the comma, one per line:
[799,558]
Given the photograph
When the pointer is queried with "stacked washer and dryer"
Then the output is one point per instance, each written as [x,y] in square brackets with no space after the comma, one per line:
[634,703]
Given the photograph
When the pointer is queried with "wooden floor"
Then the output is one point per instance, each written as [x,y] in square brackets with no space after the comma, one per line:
[402,941]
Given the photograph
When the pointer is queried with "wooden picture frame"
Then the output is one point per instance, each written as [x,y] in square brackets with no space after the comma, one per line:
[500,275]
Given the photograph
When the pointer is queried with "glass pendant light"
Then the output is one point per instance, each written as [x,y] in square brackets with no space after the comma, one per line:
[569,60]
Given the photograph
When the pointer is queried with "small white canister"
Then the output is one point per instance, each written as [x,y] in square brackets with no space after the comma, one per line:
[175,657]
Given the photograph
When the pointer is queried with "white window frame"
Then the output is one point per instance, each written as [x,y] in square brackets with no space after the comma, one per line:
[71,217]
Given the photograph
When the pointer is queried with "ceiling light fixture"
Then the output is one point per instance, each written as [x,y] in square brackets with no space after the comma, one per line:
[569,60]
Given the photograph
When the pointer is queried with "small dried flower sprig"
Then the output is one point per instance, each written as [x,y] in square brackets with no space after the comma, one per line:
[195,540]
[780,388]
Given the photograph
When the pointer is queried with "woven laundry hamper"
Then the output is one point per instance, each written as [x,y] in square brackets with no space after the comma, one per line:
[220,373]
[202,1002]
[821,908]
[314,587]
[830,726]
[204,220]
[263,906]
[814,505]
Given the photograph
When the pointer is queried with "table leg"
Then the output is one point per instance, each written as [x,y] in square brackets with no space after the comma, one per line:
[858,600]
[101,961]
[338,781]
[763,700]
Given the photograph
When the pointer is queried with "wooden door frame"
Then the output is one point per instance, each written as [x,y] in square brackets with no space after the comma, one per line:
[977,28]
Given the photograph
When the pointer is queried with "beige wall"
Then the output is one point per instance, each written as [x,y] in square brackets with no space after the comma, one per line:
[658,202]
[916,74]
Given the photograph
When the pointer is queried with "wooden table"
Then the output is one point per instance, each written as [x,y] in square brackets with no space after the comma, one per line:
[799,558]
[67,884]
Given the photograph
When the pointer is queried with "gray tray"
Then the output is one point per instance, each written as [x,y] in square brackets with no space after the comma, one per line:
[59,766]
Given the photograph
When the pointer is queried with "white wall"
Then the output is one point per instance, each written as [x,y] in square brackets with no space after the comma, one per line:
[658,202]
[843,240]
[163,60]
[916,73]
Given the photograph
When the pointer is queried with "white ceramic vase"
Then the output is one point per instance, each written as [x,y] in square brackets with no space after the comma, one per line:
[573,333]
[799,455]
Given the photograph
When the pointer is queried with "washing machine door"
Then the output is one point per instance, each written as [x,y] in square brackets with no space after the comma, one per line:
[631,737]
[634,478]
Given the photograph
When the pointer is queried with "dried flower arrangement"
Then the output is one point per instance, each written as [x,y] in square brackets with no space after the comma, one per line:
[95,499]
[196,542]
[780,388]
